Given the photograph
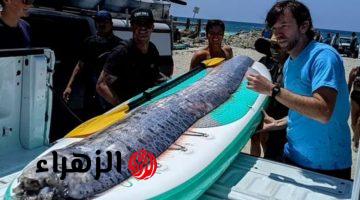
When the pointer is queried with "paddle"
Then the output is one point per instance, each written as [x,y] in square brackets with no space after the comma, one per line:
[107,119]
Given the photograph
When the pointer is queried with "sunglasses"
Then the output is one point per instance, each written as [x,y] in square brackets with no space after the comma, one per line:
[28,2]
[275,46]
[275,49]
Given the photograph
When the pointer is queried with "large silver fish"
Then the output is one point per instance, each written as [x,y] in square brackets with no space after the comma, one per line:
[153,127]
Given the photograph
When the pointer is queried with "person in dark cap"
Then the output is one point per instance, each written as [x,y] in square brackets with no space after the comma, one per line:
[14,31]
[92,57]
[131,67]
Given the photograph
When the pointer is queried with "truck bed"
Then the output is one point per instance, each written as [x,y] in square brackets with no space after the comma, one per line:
[250,178]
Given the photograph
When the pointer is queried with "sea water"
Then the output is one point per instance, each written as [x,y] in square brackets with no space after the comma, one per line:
[232,27]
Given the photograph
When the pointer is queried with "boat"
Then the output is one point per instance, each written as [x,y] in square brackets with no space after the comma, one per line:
[198,157]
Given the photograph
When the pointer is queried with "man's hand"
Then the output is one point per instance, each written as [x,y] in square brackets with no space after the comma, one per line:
[260,84]
[66,94]
[269,123]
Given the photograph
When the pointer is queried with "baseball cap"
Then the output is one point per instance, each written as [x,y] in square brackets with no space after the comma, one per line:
[142,15]
[102,16]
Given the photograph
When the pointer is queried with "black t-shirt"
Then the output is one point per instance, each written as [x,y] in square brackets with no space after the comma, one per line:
[14,37]
[93,54]
[135,71]
[95,50]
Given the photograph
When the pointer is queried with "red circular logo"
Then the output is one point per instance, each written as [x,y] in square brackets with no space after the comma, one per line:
[142,164]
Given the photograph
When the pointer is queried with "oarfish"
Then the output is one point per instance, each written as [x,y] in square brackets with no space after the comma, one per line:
[153,127]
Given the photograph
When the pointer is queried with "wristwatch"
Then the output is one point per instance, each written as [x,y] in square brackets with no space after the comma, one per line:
[275,90]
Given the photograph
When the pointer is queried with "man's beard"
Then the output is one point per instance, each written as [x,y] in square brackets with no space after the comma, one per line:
[291,45]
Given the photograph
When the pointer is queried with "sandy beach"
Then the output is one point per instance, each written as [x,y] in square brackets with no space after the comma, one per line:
[182,60]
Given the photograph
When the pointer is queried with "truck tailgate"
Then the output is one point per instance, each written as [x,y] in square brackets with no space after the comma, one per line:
[251,178]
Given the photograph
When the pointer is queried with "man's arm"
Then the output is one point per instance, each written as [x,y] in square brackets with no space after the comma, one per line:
[79,66]
[104,89]
[319,107]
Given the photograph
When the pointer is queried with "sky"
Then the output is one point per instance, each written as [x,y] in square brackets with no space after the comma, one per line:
[326,14]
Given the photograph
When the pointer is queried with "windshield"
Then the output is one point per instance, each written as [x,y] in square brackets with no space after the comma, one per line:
[345,40]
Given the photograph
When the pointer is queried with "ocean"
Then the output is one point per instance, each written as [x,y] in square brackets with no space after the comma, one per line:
[232,27]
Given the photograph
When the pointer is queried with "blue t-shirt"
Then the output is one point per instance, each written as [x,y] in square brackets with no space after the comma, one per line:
[312,144]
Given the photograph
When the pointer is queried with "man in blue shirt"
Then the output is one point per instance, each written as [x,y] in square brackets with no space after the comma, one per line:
[315,92]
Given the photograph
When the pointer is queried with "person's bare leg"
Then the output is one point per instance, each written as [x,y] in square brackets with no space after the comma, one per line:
[355,123]
[356,135]
[255,149]
[263,140]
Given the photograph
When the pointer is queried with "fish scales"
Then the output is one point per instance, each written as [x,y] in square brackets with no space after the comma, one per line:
[152,127]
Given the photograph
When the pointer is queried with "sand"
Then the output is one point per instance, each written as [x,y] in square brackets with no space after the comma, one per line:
[182,60]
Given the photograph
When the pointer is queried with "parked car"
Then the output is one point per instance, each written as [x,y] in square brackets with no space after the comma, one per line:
[344,46]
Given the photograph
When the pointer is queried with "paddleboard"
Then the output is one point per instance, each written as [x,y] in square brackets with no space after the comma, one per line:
[199,156]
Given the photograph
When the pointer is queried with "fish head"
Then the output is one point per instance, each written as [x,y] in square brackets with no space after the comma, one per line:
[33,182]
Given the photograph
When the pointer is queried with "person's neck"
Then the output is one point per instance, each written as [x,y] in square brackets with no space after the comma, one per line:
[107,35]
[142,46]
[215,50]
[300,46]
[9,19]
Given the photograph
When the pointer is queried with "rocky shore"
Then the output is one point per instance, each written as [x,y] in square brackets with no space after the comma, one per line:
[243,39]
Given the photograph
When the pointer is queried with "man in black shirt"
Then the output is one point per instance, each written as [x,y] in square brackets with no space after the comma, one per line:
[272,143]
[14,32]
[132,67]
[92,57]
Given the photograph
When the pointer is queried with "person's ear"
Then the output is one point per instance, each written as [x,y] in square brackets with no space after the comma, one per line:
[305,26]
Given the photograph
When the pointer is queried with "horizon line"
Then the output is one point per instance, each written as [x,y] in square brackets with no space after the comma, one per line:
[328,29]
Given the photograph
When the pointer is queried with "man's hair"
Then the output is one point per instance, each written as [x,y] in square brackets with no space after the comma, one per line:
[214,22]
[300,12]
